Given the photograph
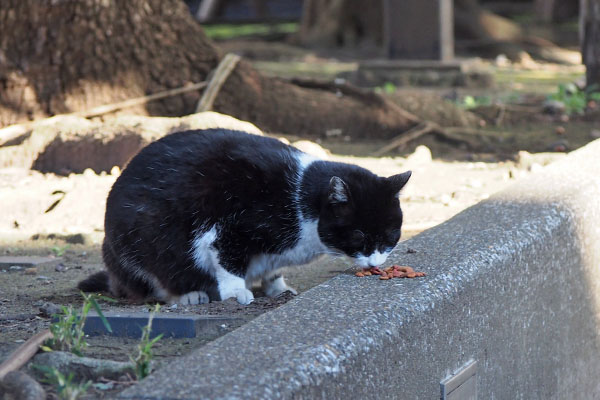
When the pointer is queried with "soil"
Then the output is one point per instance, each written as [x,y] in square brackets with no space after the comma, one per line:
[72,230]
[61,216]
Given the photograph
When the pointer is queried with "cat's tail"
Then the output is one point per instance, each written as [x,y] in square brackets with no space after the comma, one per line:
[97,282]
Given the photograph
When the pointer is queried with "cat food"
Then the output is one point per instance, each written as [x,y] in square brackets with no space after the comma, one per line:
[395,271]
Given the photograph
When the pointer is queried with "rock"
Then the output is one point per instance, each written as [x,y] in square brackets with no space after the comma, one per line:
[43,278]
[31,271]
[525,60]
[502,60]
[422,155]
[83,368]
[560,130]
[17,385]
[554,107]
[559,146]
[60,267]
[89,173]
[535,167]
[15,268]
[446,199]
[524,160]
[312,148]
[49,309]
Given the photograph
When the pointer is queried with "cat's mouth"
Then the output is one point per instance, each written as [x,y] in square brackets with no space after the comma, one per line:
[374,259]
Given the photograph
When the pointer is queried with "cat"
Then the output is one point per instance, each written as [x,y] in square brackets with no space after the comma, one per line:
[200,215]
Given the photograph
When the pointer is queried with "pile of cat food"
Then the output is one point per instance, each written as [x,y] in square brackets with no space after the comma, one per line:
[395,271]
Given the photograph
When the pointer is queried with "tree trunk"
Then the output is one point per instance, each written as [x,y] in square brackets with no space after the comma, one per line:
[590,47]
[556,10]
[64,56]
[341,23]
[327,23]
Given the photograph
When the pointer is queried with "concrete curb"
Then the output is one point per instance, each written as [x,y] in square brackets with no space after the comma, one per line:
[513,283]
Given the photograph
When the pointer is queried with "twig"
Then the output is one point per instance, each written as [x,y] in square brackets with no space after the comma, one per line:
[366,96]
[125,383]
[401,140]
[24,352]
[100,110]
[500,117]
[14,131]
[219,76]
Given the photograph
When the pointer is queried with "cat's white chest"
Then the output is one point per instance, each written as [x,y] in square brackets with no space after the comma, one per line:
[308,247]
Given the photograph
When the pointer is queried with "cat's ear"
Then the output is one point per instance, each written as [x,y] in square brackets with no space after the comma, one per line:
[338,191]
[397,182]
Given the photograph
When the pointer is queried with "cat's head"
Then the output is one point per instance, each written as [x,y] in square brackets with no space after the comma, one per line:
[361,216]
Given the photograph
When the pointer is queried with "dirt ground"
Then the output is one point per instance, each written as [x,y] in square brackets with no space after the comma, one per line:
[62,216]
[70,231]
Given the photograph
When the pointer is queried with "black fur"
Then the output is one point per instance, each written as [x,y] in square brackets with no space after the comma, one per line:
[97,282]
[179,186]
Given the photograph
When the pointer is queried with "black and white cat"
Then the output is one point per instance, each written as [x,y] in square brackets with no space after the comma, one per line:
[200,215]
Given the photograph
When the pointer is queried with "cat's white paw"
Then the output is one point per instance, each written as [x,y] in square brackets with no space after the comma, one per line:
[242,295]
[277,286]
[192,298]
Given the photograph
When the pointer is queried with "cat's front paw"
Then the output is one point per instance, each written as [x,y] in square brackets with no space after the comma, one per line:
[242,295]
[275,286]
[192,298]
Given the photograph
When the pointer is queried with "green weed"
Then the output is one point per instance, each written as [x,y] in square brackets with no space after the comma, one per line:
[230,31]
[67,331]
[575,99]
[387,88]
[143,359]
[469,102]
[65,387]
[59,250]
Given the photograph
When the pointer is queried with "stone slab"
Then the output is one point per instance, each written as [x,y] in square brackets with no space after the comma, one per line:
[24,261]
[169,325]
[513,283]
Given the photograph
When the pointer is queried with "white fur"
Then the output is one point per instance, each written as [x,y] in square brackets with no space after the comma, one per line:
[198,297]
[275,287]
[309,247]
[204,254]
[206,258]
[373,260]
[232,286]
[304,160]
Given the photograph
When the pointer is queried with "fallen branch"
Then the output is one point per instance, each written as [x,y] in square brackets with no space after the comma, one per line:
[451,134]
[24,352]
[368,97]
[101,110]
[14,131]
[219,76]
[401,140]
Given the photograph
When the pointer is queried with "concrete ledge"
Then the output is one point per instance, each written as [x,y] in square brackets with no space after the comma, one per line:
[513,283]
